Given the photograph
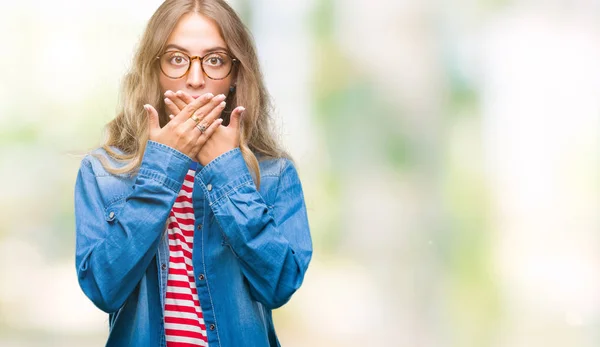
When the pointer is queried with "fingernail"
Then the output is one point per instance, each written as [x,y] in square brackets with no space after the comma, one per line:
[220,97]
[146,107]
[242,109]
[168,91]
[209,96]
[167,100]
[222,104]
[179,93]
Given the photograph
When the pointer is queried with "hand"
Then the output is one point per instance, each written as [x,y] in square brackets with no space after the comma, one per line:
[181,132]
[224,138]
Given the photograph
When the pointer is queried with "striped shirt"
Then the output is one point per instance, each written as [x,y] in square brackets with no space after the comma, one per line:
[184,322]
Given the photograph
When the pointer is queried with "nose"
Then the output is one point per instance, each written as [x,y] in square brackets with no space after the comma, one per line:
[195,76]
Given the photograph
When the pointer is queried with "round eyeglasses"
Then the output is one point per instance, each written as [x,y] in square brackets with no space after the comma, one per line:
[215,65]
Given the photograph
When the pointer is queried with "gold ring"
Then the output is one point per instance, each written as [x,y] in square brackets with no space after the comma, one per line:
[195,118]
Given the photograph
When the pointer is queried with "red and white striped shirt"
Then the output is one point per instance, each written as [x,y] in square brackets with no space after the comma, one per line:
[184,322]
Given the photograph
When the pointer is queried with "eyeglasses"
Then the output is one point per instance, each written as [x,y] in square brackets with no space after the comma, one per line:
[215,65]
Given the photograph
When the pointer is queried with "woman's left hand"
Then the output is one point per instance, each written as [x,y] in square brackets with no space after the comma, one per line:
[224,139]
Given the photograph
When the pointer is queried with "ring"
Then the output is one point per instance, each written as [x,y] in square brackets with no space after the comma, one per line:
[201,127]
[194,118]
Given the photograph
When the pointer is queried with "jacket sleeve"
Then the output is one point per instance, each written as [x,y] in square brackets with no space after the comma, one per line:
[272,243]
[115,242]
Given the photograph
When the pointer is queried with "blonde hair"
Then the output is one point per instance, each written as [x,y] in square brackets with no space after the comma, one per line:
[127,133]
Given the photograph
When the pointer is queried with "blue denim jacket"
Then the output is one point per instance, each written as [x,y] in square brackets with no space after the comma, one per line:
[250,253]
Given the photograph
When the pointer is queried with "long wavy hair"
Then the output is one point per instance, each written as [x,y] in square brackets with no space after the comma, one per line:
[126,135]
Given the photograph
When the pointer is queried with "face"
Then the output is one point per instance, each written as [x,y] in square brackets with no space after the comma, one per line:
[196,35]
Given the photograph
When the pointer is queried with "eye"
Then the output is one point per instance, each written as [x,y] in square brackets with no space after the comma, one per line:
[215,60]
[177,59]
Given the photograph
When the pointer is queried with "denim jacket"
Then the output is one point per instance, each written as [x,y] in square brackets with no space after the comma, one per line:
[250,253]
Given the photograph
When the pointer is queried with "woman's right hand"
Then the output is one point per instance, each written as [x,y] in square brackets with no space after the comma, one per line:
[181,132]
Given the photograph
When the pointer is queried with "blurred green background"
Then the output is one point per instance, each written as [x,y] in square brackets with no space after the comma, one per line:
[449,152]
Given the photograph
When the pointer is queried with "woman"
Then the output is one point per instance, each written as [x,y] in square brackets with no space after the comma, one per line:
[190,221]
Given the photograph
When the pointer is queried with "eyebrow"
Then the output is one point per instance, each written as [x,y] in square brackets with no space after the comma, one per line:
[179,48]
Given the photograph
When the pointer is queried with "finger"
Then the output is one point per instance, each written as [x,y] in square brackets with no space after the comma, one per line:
[236,114]
[152,114]
[185,97]
[171,106]
[214,114]
[188,110]
[199,115]
[208,132]
[176,100]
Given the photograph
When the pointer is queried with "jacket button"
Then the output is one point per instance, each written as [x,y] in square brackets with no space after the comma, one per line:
[201,277]
[199,226]
[212,327]
[209,187]
[163,266]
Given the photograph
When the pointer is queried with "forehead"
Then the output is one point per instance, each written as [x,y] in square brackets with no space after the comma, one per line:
[196,34]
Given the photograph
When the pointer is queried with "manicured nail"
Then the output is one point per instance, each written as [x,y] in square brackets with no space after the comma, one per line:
[167,100]
[168,91]
[179,93]
[220,97]
[222,104]
[146,107]
[208,96]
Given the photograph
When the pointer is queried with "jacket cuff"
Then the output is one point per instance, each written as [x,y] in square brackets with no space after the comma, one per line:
[224,174]
[165,165]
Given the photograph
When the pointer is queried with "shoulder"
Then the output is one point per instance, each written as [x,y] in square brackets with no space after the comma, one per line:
[274,167]
[98,159]
[278,175]
[280,183]
[95,180]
